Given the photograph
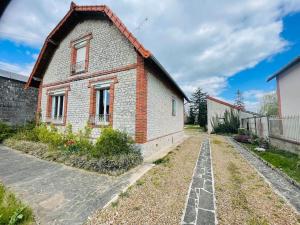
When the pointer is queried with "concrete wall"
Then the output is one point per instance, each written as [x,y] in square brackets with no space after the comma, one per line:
[17,105]
[285,145]
[289,91]
[109,49]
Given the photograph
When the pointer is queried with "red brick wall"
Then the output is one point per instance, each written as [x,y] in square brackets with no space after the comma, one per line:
[141,102]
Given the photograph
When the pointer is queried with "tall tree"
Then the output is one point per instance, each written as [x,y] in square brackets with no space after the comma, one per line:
[191,115]
[269,105]
[199,107]
[239,100]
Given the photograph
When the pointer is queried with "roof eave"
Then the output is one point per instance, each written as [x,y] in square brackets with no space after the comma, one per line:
[169,77]
[285,68]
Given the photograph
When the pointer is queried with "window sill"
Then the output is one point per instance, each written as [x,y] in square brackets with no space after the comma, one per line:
[104,125]
[77,73]
[55,122]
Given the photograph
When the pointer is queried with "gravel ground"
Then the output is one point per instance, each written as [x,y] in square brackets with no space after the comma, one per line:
[243,197]
[159,196]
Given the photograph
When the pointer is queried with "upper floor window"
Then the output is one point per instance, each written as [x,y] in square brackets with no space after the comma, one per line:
[80,54]
[173,107]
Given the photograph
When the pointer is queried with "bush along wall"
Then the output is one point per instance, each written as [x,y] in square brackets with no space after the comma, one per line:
[114,152]
[230,123]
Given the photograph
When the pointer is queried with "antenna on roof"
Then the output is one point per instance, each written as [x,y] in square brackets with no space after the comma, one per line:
[141,24]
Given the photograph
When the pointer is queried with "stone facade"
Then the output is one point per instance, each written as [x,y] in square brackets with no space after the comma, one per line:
[142,103]
[17,105]
[108,50]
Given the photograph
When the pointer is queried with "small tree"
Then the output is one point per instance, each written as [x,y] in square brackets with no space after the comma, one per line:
[269,105]
[239,100]
[199,107]
[229,124]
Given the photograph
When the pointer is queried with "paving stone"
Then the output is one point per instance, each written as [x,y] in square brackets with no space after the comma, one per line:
[279,182]
[200,200]
[206,200]
[57,194]
[205,217]
[190,215]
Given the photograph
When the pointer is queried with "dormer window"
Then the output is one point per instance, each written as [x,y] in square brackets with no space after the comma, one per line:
[80,54]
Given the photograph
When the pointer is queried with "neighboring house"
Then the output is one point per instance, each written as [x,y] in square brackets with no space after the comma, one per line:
[91,70]
[17,105]
[288,93]
[217,108]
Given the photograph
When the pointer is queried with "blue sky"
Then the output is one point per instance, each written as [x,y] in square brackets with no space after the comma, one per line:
[220,51]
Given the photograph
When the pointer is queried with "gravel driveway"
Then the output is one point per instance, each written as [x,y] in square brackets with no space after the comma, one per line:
[59,194]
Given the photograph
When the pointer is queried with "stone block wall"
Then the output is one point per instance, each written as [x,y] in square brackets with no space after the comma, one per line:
[17,105]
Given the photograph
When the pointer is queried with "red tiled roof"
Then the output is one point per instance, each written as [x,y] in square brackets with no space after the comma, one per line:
[223,103]
[47,50]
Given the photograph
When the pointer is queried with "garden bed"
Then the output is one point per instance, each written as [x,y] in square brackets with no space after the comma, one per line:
[113,153]
[12,211]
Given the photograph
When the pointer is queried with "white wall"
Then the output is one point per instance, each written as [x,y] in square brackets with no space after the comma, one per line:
[214,109]
[289,86]
[160,120]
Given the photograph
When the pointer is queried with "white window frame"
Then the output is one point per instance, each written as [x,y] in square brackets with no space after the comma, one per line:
[78,45]
[99,87]
[55,117]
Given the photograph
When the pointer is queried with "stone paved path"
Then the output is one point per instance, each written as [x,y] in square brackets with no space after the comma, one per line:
[279,182]
[58,194]
[200,206]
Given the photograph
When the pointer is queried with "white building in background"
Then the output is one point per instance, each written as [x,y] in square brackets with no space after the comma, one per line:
[217,108]
[288,88]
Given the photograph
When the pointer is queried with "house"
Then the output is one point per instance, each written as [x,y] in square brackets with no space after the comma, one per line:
[216,108]
[92,70]
[17,105]
[288,94]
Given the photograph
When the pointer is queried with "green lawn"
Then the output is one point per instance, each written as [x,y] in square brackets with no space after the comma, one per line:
[288,162]
[192,126]
[12,211]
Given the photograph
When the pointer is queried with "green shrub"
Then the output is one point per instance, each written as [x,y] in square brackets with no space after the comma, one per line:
[49,135]
[6,131]
[78,143]
[113,142]
[230,123]
[242,131]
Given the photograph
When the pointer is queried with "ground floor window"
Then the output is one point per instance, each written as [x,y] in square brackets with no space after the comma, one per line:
[102,105]
[57,107]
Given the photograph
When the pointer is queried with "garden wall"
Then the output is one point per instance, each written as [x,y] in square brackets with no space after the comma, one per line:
[17,105]
[285,145]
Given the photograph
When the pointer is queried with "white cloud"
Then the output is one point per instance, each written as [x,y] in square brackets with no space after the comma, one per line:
[16,68]
[202,44]
[253,99]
